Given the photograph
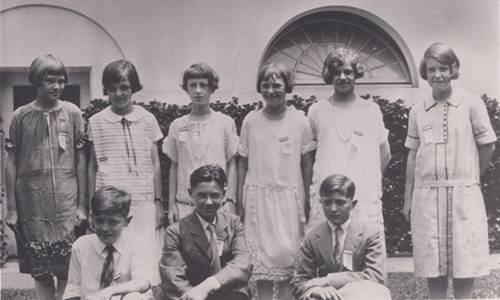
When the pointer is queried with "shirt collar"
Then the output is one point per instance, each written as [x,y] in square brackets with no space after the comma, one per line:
[134,116]
[119,245]
[204,223]
[455,99]
[344,225]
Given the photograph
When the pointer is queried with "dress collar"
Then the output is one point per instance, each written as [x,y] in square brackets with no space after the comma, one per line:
[55,108]
[456,97]
[134,116]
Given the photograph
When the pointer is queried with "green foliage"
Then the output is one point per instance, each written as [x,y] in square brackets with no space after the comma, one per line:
[395,115]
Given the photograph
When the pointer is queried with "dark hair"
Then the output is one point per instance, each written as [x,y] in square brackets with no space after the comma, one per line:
[45,65]
[338,58]
[337,183]
[208,173]
[275,70]
[109,199]
[201,70]
[443,54]
[117,71]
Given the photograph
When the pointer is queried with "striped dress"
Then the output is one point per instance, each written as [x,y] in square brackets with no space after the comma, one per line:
[122,147]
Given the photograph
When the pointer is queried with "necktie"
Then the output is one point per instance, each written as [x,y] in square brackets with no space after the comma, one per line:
[214,253]
[337,251]
[107,268]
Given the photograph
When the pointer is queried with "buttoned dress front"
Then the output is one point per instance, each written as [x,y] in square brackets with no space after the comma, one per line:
[448,217]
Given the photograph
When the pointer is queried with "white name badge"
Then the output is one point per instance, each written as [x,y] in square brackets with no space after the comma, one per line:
[183,135]
[220,246]
[428,134]
[347,259]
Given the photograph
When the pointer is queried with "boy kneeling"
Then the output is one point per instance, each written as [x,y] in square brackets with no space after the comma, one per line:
[106,264]
[342,258]
[205,256]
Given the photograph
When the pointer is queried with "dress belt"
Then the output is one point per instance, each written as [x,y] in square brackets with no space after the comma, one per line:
[446,183]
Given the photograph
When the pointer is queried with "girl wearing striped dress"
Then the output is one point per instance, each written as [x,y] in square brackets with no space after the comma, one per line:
[124,154]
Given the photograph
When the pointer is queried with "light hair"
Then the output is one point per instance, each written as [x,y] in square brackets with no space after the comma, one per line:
[275,70]
[203,71]
[443,54]
[44,65]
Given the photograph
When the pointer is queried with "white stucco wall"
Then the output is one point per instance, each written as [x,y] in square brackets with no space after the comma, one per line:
[163,37]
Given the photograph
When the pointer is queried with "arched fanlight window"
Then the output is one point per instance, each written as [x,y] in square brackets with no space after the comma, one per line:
[304,45]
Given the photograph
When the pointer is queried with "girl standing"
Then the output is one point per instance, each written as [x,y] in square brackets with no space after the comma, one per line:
[124,154]
[351,139]
[199,138]
[274,174]
[451,142]
[46,180]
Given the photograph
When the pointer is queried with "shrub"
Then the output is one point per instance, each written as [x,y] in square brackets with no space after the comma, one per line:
[395,114]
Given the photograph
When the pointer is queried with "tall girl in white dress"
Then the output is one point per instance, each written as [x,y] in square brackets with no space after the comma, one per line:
[274,173]
[451,142]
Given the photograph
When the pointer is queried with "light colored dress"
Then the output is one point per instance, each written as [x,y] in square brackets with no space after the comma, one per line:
[274,191]
[448,217]
[348,143]
[192,144]
[45,144]
[123,151]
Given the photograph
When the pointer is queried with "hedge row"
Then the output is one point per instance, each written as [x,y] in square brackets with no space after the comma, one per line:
[395,115]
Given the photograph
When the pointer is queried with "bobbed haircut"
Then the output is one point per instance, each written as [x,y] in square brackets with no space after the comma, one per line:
[275,71]
[44,65]
[200,70]
[336,59]
[337,183]
[111,200]
[443,54]
[118,70]
[209,173]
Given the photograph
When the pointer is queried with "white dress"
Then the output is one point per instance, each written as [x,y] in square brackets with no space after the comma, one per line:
[192,144]
[123,153]
[273,191]
[348,143]
[448,217]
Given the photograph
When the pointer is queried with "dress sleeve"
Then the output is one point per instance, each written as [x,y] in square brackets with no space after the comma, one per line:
[313,122]
[481,125]
[244,138]
[230,139]
[169,147]
[156,133]
[307,143]
[383,133]
[12,141]
[412,138]
[78,129]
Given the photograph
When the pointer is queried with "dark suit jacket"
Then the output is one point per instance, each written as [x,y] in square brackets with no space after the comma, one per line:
[316,257]
[185,261]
